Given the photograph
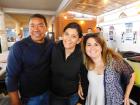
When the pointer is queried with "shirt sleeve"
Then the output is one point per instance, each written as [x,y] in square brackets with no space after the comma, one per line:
[84,82]
[13,68]
[125,70]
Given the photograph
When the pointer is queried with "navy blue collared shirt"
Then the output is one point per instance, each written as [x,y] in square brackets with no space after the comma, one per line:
[28,67]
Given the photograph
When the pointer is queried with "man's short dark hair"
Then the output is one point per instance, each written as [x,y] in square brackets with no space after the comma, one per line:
[99,28]
[39,16]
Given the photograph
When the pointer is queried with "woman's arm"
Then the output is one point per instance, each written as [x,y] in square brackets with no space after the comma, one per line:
[128,89]
[80,91]
[127,77]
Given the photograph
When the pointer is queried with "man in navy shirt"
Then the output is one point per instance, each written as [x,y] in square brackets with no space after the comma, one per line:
[28,66]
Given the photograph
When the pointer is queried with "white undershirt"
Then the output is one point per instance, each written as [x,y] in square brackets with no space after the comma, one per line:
[96,89]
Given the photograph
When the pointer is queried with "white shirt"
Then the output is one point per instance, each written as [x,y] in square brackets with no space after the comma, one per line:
[96,89]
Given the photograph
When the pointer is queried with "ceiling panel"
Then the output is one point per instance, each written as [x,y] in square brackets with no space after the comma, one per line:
[97,7]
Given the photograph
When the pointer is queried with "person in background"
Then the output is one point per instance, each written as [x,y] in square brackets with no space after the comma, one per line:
[89,30]
[66,64]
[110,77]
[98,29]
[28,66]
[19,37]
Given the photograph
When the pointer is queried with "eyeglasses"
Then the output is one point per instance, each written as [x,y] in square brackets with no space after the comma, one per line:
[41,25]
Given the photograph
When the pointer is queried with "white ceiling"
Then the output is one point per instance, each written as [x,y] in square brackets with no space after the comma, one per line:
[51,5]
[20,10]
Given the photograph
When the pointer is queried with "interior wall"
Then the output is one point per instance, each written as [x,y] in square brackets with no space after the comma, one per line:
[60,23]
[119,38]
[121,28]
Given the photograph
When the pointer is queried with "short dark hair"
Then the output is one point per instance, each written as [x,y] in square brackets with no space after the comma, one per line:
[39,16]
[99,28]
[76,26]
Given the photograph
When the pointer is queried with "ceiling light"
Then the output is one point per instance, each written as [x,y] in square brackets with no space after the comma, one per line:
[81,16]
[105,1]
[65,17]
[82,22]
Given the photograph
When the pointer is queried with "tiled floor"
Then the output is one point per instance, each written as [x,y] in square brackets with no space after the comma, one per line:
[4,100]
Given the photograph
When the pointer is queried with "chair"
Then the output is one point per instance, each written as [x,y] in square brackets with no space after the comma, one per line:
[3,85]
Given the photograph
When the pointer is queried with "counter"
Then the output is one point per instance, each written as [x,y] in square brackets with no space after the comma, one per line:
[134,59]
[127,54]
